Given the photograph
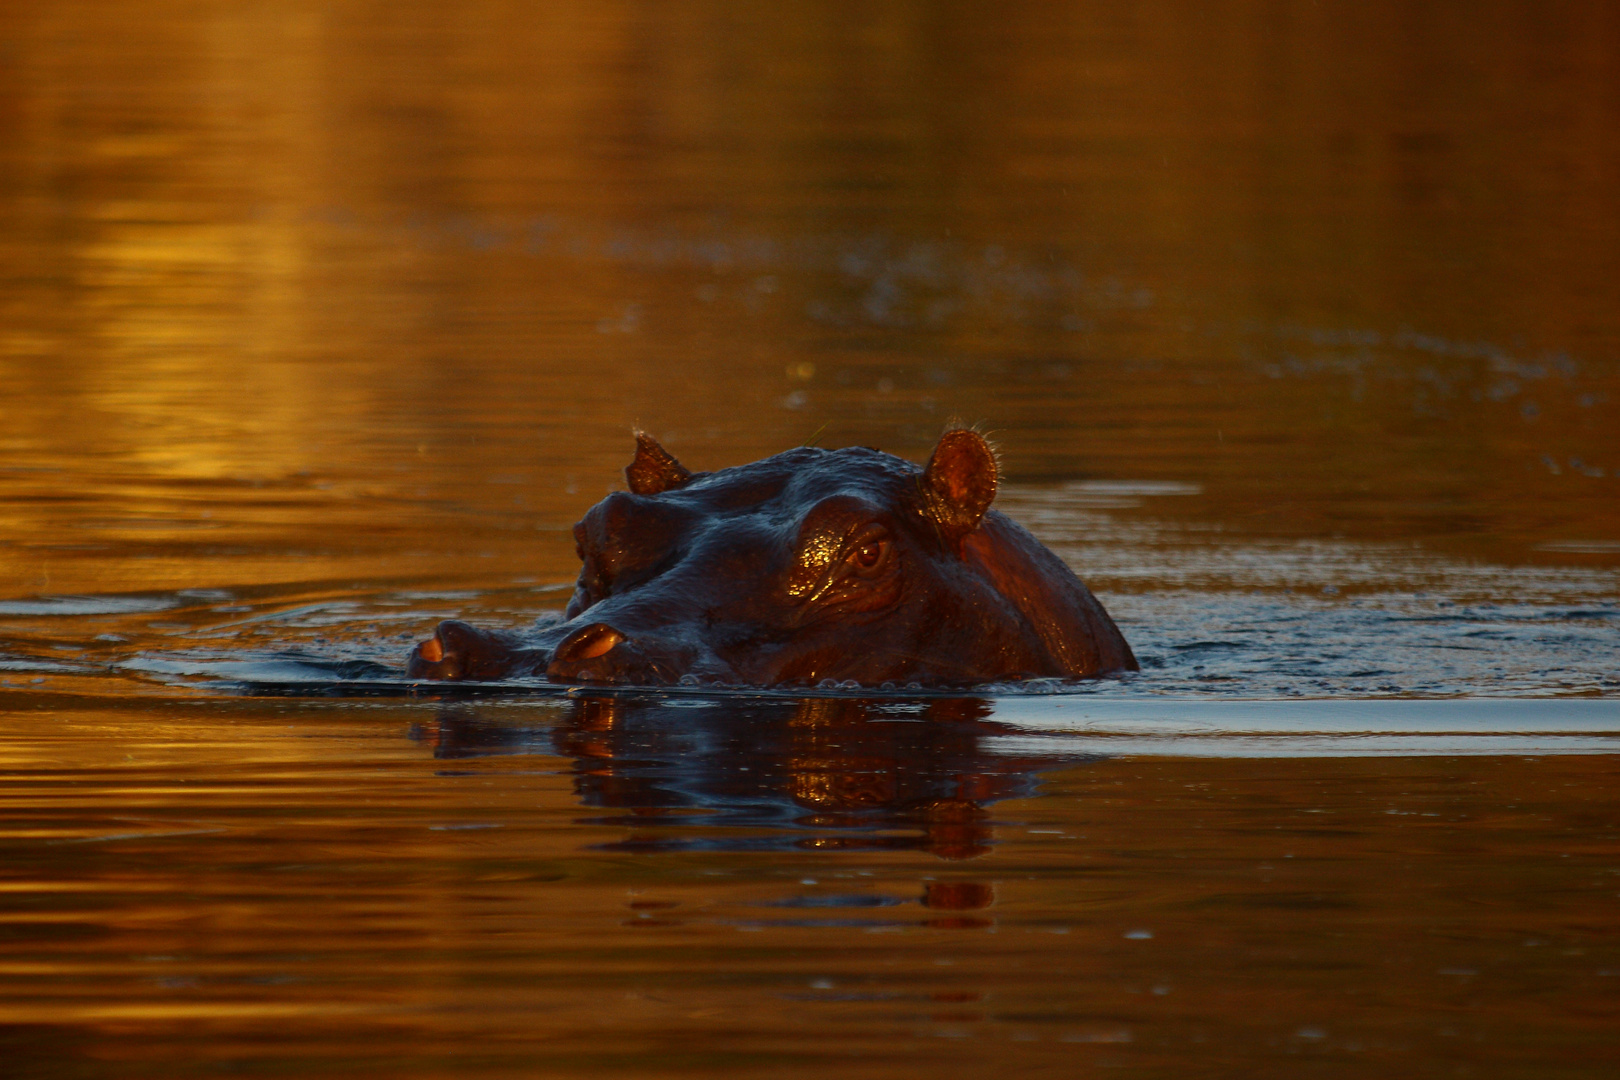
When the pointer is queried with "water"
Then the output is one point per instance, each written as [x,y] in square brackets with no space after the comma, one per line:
[1295,325]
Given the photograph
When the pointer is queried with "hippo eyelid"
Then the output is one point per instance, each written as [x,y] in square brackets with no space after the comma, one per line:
[830,557]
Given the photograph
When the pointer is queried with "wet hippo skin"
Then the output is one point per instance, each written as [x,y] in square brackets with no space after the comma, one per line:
[810,565]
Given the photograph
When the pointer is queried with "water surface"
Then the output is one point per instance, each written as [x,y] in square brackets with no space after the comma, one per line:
[1296,326]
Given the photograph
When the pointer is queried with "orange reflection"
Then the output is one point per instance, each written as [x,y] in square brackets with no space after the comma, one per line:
[424,273]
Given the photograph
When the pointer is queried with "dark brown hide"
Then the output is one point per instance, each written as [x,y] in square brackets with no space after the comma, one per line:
[812,565]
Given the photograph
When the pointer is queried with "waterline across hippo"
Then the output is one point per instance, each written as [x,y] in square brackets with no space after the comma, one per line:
[846,565]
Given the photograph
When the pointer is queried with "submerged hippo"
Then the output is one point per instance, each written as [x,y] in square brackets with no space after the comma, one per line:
[811,565]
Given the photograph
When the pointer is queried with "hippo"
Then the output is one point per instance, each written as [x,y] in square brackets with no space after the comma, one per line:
[809,568]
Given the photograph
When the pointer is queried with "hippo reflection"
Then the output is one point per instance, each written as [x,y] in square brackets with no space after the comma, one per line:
[812,565]
[748,774]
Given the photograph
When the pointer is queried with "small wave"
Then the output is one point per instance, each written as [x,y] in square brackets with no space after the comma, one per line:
[29,664]
[88,605]
[277,669]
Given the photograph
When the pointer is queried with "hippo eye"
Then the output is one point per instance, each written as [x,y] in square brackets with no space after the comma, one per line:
[869,551]
[846,561]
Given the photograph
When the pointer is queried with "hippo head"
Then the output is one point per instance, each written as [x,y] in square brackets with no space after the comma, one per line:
[846,564]
[808,566]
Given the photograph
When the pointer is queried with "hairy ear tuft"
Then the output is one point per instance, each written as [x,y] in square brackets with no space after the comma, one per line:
[654,470]
[959,483]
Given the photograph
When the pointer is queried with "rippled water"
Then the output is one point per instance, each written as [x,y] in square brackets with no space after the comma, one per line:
[1296,327]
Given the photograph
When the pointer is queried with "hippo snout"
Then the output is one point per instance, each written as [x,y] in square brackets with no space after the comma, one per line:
[599,653]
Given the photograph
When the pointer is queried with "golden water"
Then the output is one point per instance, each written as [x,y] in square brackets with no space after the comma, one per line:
[1298,327]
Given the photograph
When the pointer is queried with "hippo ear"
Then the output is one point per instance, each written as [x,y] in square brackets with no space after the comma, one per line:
[655,469]
[959,484]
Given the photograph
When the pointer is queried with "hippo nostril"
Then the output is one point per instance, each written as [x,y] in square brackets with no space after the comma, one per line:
[598,644]
[589,643]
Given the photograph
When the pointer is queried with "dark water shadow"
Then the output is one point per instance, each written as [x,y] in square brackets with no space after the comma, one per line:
[753,774]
